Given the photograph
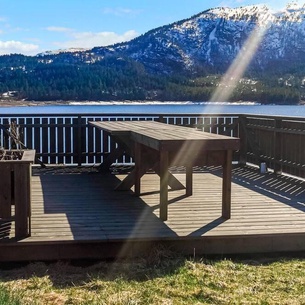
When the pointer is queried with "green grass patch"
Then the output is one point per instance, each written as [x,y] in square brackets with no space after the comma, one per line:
[163,279]
[7,299]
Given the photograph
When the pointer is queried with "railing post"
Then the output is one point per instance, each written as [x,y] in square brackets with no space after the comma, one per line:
[278,149]
[200,123]
[161,118]
[6,138]
[79,140]
[243,140]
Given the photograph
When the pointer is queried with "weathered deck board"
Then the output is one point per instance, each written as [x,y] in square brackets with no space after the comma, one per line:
[74,211]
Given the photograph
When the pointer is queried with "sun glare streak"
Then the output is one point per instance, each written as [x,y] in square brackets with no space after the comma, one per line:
[237,69]
[229,81]
[222,93]
[232,77]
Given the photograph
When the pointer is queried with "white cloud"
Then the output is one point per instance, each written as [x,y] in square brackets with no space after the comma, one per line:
[273,4]
[12,46]
[90,39]
[59,29]
[120,11]
[231,3]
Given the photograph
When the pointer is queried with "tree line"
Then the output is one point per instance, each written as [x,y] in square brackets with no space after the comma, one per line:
[125,79]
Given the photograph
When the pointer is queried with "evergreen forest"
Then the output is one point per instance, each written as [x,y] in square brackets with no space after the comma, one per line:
[125,79]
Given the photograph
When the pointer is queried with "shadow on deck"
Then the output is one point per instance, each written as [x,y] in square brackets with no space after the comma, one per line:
[77,214]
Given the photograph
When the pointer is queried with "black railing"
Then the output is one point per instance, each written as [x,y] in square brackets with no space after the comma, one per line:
[277,141]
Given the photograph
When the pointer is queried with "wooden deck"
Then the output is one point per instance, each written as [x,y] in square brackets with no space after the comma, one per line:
[77,214]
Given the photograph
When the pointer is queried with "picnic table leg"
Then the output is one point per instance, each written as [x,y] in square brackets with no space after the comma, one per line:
[115,154]
[226,185]
[129,180]
[189,179]
[138,162]
[163,184]
[173,182]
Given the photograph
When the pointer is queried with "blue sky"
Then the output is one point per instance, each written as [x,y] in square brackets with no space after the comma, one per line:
[32,26]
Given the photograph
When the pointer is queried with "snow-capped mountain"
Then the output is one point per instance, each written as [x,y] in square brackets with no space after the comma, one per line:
[56,52]
[213,39]
[179,61]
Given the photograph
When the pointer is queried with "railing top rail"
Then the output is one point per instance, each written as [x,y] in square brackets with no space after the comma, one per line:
[149,115]
[274,117]
[115,114]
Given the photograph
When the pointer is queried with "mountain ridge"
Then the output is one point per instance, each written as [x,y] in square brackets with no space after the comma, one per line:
[214,22]
[171,57]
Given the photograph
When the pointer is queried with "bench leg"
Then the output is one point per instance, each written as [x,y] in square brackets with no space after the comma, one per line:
[163,184]
[226,186]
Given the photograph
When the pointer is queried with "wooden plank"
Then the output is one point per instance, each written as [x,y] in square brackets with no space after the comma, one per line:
[5,191]
[196,139]
[37,135]
[60,140]
[68,136]
[52,139]
[22,177]
[46,140]
[264,208]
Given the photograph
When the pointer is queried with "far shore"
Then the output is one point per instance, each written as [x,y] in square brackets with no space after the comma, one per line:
[18,103]
[25,103]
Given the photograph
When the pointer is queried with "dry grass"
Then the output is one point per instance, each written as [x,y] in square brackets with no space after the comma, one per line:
[10,155]
[161,280]
[14,133]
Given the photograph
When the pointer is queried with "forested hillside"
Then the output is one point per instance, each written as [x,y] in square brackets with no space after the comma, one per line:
[126,79]
[182,61]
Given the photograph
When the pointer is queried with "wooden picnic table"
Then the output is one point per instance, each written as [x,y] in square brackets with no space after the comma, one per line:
[158,146]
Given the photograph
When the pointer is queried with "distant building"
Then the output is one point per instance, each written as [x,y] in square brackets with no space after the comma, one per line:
[9,94]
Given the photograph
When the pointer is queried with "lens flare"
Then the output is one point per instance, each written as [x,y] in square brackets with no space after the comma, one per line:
[237,69]
[228,83]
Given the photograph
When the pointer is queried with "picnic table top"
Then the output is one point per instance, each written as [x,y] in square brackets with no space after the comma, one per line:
[156,135]
[126,126]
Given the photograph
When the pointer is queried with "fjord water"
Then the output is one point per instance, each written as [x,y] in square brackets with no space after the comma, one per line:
[160,108]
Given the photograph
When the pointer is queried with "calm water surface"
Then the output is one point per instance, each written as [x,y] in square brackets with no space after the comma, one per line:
[190,108]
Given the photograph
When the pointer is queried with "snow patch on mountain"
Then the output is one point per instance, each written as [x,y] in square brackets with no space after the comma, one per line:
[210,39]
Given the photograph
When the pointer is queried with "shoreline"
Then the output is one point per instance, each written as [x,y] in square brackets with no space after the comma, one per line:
[24,103]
